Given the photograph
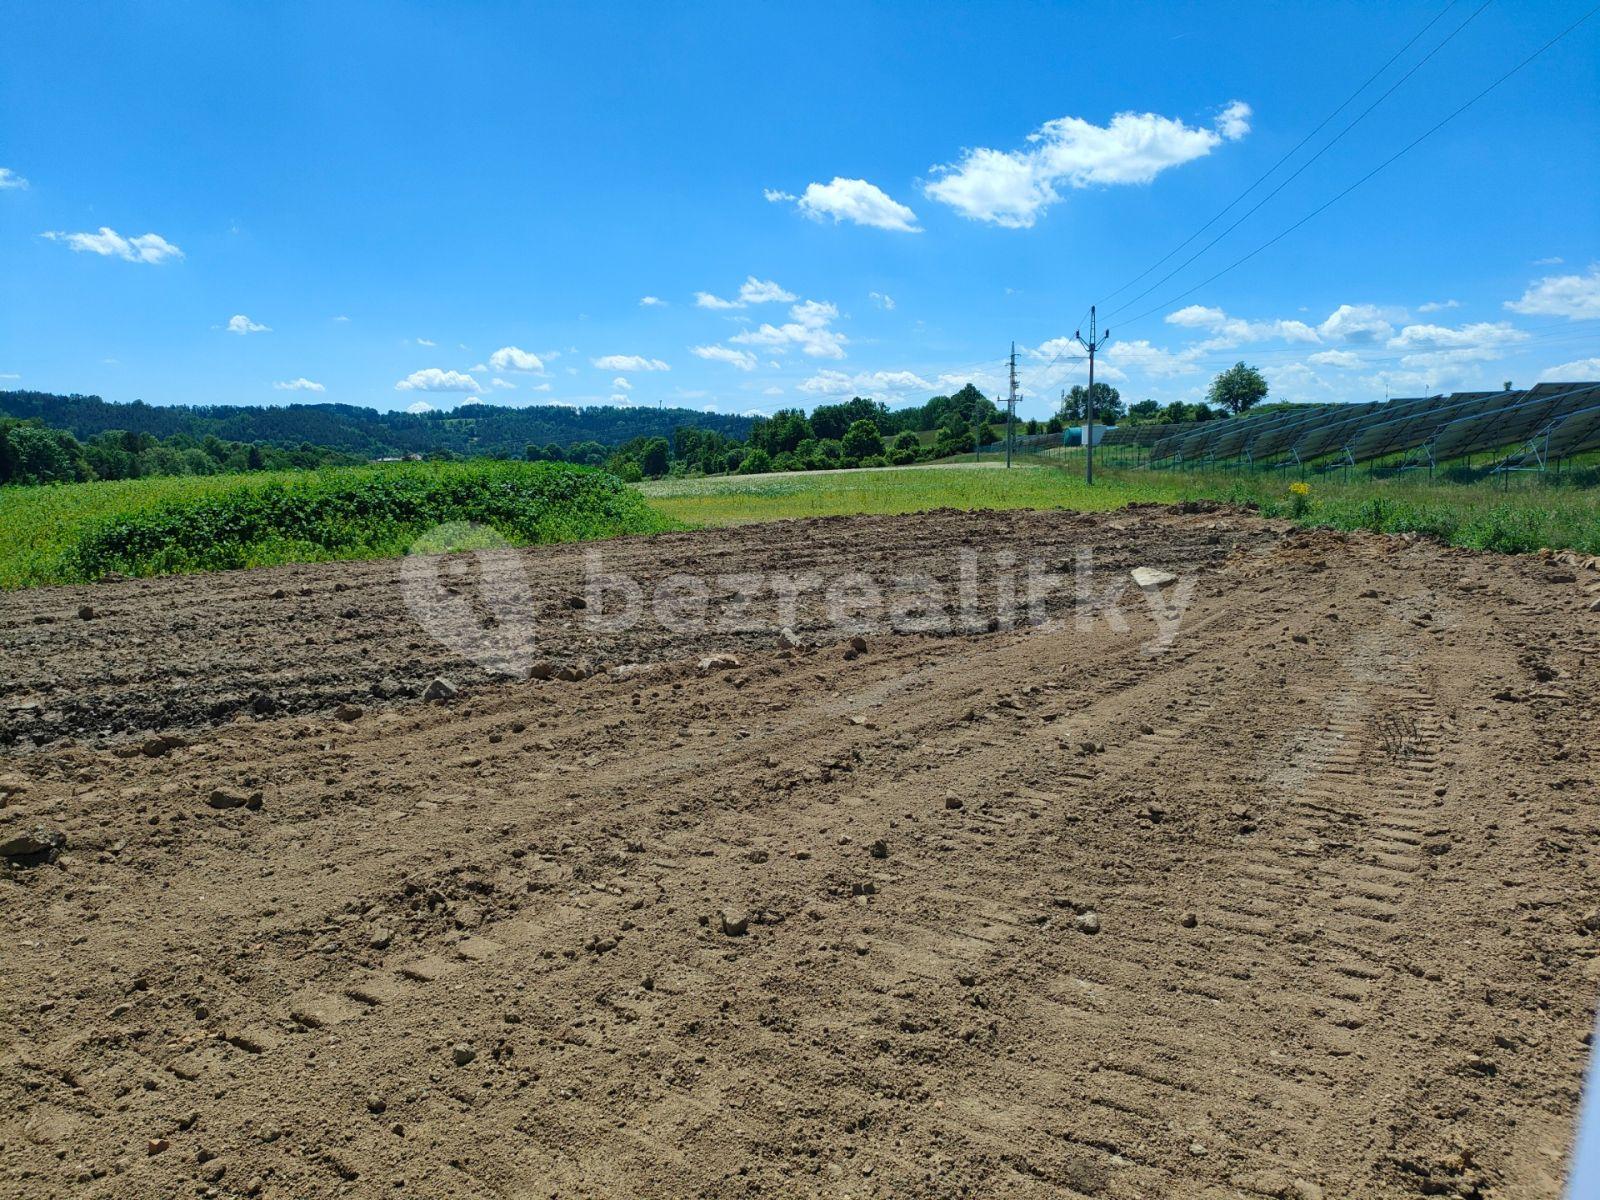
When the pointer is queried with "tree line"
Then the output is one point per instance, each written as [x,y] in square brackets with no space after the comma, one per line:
[31,452]
[854,433]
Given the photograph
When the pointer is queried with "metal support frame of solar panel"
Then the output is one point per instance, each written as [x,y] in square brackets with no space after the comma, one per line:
[1334,435]
[1236,432]
[1166,445]
[1404,430]
[1502,426]
[1571,433]
[1270,443]
[1154,436]
[1463,409]
[1199,445]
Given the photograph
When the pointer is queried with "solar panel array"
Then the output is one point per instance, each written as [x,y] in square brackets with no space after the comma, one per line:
[1576,432]
[1574,428]
[1544,404]
[1405,432]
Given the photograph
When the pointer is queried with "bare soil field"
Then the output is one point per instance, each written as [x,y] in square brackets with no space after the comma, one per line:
[1306,905]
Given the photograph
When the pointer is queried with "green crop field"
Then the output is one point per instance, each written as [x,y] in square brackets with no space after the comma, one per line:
[1530,514]
[70,533]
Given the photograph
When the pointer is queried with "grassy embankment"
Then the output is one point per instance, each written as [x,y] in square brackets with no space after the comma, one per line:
[70,533]
[1528,515]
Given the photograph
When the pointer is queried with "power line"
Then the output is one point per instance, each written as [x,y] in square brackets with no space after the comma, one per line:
[1371,79]
[1402,152]
[1298,171]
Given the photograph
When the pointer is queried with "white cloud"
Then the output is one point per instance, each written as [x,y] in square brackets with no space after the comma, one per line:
[652,302]
[146,248]
[807,330]
[621,384]
[1555,260]
[742,359]
[1140,355]
[1012,187]
[426,342]
[883,301]
[869,383]
[629,362]
[299,385]
[857,201]
[1356,323]
[771,391]
[1233,122]
[1437,337]
[9,180]
[539,387]
[621,398]
[432,379]
[511,358]
[1575,296]
[751,291]
[419,406]
[504,385]
[342,320]
[1432,347]
[1583,370]
[1228,332]
[774,196]
[243,324]
[1434,306]
[1348,359]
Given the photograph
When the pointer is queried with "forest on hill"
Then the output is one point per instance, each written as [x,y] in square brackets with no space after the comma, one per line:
[471,430]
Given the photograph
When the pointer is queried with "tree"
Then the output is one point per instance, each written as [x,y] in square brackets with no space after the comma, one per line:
[1145,411]
[655,457]
[908,441]
[862,439]
[552,453]
[757,462]
[1107,404]
[956,440]
[1238,388]
[253,458]
[831,420]
[781,432]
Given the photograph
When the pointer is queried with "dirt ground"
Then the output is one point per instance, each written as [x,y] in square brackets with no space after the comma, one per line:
[1306,905]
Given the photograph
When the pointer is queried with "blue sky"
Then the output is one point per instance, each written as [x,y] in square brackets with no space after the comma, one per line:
[399,204]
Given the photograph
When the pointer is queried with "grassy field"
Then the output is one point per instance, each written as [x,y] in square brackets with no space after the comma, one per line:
[80,532]
[1529,515]
[69,533]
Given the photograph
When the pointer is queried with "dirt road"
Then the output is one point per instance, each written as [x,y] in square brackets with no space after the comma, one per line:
[1305,905]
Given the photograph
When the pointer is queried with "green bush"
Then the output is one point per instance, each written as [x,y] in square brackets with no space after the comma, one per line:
[355,513]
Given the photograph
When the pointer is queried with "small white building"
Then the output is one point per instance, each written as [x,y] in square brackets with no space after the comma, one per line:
[1074,433]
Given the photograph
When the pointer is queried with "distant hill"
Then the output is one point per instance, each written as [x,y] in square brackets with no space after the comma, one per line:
[470,429]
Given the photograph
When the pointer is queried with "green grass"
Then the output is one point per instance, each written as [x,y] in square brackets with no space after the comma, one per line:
[72,533]
[1530,514]
[80,532]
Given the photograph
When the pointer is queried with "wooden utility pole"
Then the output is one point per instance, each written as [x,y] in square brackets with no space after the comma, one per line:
[1091,344]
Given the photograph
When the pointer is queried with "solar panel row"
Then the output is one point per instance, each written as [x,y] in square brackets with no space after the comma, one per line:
[1516,423]
[1417,430]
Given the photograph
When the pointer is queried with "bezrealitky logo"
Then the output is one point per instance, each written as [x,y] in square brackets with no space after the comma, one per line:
[470,591]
